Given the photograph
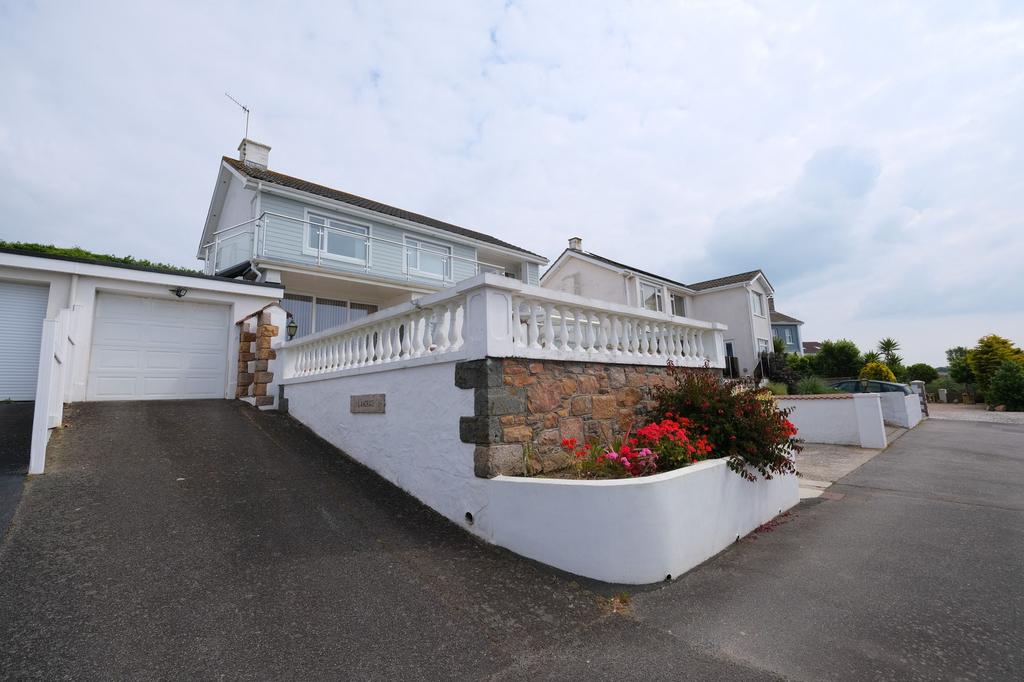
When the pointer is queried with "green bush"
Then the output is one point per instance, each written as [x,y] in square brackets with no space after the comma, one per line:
[1007,386]
[954,389]
[800,364]
[778,388]
[989,355]
[743,425]
[812,386]
[837,359]
[922,372]
[877,371]
[77,252]
[959,367]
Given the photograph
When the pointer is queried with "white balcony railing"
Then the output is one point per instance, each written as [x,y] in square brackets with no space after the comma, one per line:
[493,316]
[278,237]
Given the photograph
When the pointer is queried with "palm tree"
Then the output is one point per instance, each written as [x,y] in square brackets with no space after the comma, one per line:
[872,356]
[888,347]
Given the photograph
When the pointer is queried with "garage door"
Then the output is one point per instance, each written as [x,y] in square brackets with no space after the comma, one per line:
[149,349]
[22,309]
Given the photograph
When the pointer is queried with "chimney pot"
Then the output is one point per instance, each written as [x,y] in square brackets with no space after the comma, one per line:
[254,153]
[576,243]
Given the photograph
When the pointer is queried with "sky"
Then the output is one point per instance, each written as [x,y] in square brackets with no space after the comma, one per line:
[869,157]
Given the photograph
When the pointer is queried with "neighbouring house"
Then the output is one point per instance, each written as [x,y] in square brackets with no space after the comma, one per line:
[339,256]
[787,328]
[739,301]
[811,347]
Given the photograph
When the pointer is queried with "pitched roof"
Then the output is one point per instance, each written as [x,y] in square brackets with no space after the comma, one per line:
[811,347]
[266,175]
[623,266]
[740,278]
[782,318]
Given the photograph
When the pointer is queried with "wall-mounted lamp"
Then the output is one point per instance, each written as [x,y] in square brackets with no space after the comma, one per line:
[179,292]
[292,328]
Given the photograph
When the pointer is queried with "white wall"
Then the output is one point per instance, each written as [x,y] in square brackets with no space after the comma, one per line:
[76,284]
[632,531]
[901,409]
[415,444]
[732,307]
[849,419]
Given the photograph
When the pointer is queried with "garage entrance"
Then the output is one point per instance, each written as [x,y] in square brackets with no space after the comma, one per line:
[22,309]
[149,349]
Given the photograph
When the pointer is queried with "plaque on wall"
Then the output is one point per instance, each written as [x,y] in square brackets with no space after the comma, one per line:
[371,403]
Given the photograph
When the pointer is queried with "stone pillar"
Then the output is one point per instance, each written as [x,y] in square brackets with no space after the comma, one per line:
[256,356]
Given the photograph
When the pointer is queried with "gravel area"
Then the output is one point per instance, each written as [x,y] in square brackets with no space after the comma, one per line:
[973,413]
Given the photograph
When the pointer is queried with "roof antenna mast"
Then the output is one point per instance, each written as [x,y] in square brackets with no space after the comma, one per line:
[245,109]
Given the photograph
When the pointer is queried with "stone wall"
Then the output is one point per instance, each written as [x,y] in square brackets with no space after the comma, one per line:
[525,408]
[254,356]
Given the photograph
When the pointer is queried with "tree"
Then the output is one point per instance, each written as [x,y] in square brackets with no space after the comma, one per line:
[877,371]
[778,345]
[989,355]
[922,372]
[888,347]
[837,359]
[1007,386]
[959,366]
[872,356]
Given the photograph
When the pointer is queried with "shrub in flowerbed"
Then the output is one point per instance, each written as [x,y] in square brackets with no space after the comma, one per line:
[659,446]
[738,422]
[698,417]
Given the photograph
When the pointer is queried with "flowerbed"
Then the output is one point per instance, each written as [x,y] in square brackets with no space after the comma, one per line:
[698,417]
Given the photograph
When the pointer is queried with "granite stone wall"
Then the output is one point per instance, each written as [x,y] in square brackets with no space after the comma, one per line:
[525,408]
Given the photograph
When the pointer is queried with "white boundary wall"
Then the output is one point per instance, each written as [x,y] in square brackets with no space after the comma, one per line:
[637,530]
[841,419]
[648,527]
[901,409]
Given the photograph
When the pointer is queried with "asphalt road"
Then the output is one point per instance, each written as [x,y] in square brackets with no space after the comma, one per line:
[203,539]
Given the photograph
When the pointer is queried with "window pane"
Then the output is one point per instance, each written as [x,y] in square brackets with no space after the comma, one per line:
[758,305]
[330,313]
[651,297]
[358,311]
[301,309]
[344,243]
[429,258]
[315,223]
[412,255]
[679,306]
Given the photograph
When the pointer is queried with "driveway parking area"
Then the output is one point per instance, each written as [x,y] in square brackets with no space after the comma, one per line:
[205,539]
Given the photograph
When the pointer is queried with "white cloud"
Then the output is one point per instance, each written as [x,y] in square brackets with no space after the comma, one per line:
[854,153]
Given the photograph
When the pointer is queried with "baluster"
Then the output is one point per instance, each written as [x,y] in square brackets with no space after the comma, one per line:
[592,332]
[532,327]
[563,341]
[581,333]
[517,330]
[615,339]
[454,326]
[641,329]
[343,352]
[417,333]
[677,341]
[405,336]
[440,330]
[602,332]
[701,355]
[386,333]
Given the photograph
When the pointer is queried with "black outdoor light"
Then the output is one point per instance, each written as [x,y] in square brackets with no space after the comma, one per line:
[292,328]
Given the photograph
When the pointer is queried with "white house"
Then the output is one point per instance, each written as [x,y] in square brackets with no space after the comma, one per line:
[339,256]
[739,301]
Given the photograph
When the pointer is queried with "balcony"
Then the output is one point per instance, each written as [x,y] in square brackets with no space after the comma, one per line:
[327,244]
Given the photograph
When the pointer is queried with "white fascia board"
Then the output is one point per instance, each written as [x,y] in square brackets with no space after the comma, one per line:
[608,266]
[418,287]
[131,275]
[366,214]
[220,191]
[724,287]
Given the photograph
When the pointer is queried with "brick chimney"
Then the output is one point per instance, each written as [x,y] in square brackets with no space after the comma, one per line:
[254,153]
[576,243]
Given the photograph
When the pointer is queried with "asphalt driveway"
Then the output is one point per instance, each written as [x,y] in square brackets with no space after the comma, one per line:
[204,539]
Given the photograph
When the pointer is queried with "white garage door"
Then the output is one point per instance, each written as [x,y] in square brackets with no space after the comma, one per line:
[149,349]
[22,309]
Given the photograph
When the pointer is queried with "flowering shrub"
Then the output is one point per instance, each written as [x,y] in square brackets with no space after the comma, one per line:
[737,421]
[659,446]
[876,371]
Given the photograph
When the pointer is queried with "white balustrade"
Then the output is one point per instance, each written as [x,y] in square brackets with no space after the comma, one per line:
[493,316]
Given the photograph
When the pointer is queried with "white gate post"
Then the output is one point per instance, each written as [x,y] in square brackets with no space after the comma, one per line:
[40,413]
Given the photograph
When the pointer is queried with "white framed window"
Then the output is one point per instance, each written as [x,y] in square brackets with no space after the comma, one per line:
[757,303]
[763,346]
[427,259]
[788,331]
[678,305]
[337,239]
[651,296]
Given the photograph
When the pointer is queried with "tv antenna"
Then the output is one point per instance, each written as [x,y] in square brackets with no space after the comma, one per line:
[245,109]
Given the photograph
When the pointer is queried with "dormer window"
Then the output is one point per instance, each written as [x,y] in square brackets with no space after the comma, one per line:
[332,238]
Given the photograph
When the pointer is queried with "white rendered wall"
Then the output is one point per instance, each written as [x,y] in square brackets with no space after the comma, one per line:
[593,281]
[415,444]
[731,307]
[900,409]
[854,419]
[632,531]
